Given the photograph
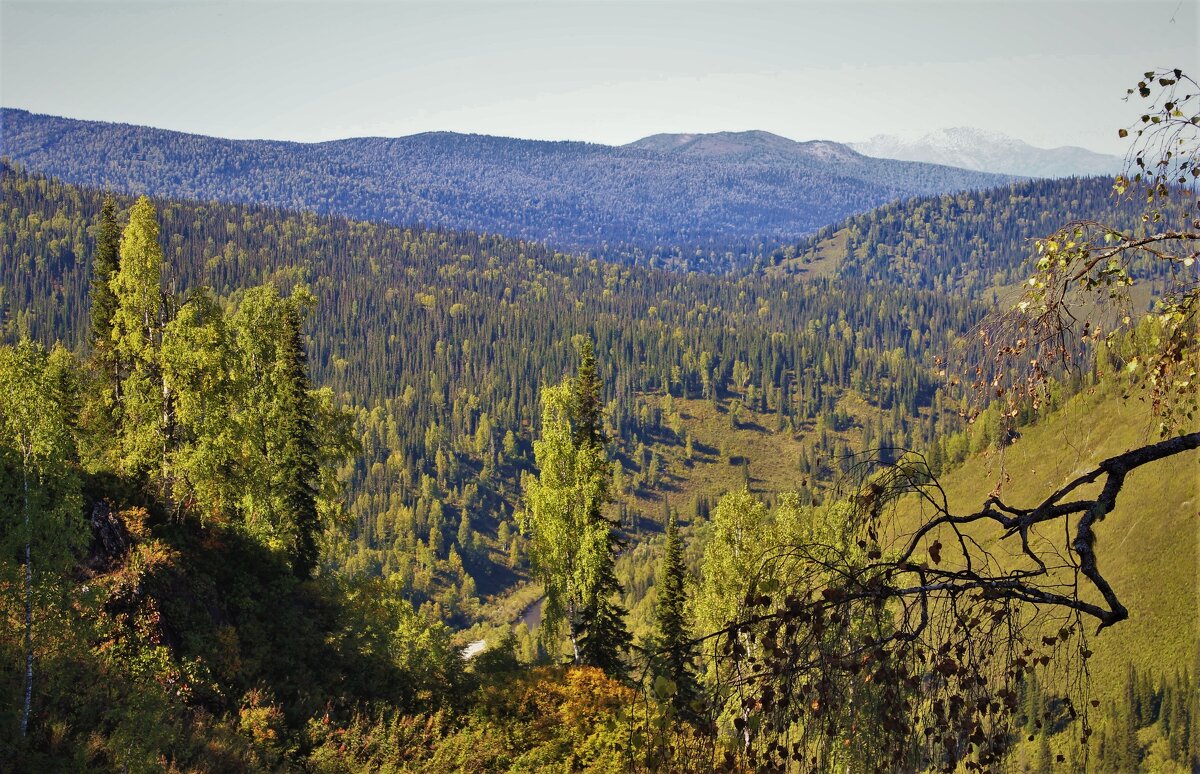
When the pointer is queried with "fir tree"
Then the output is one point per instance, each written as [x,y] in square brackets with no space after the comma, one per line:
[603,636]
[587,414]
[671,630]
[106,261]
[1043,763]
[1128,751]
[298,468]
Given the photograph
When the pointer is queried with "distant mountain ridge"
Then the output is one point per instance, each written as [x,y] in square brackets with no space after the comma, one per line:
[684,190]
[750,145]
[987,151]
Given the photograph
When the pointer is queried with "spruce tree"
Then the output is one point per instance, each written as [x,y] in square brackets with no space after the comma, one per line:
[603,636]
[1043,763]
[1128,749]
[671,630]
[298,467]
[1189,720]
[105,263]
[587,417]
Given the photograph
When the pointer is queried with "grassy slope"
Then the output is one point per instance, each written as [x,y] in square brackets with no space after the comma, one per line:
[1147,547]
[821,261]
[772,456]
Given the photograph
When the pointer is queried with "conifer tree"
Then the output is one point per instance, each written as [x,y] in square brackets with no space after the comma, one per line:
[1042,764]
[672,633]
[587,416]
[1128,751]
[603,636]
[105,262]
[298,468]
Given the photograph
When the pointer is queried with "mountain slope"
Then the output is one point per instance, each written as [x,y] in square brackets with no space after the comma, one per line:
[1147,547]
[570,194]
[987,151]
[444,339]
[966,243]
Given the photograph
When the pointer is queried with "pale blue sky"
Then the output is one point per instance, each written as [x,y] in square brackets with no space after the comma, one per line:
[1052,73]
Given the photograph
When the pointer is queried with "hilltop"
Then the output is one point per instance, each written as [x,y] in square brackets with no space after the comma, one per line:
[620,202]
[750,145]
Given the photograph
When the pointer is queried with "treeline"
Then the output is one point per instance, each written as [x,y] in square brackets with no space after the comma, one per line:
[1155,727]
[625,203]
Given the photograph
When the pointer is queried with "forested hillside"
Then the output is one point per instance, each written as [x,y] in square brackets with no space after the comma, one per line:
[633,203]
[360,424]
[171,496]
[442,338]
[966,243]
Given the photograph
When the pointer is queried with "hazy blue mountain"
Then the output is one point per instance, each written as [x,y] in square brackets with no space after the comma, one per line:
[987,151]
[747,146]
[758,147]
[704,191]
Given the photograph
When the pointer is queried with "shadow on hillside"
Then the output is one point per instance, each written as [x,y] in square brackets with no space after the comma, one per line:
[228,607]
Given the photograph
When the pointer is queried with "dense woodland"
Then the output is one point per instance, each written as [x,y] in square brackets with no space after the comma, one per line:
[260,467]
[441,339]
[669,206]
[967,243]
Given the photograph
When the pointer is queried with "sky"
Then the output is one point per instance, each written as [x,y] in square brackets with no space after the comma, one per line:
[609,71]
